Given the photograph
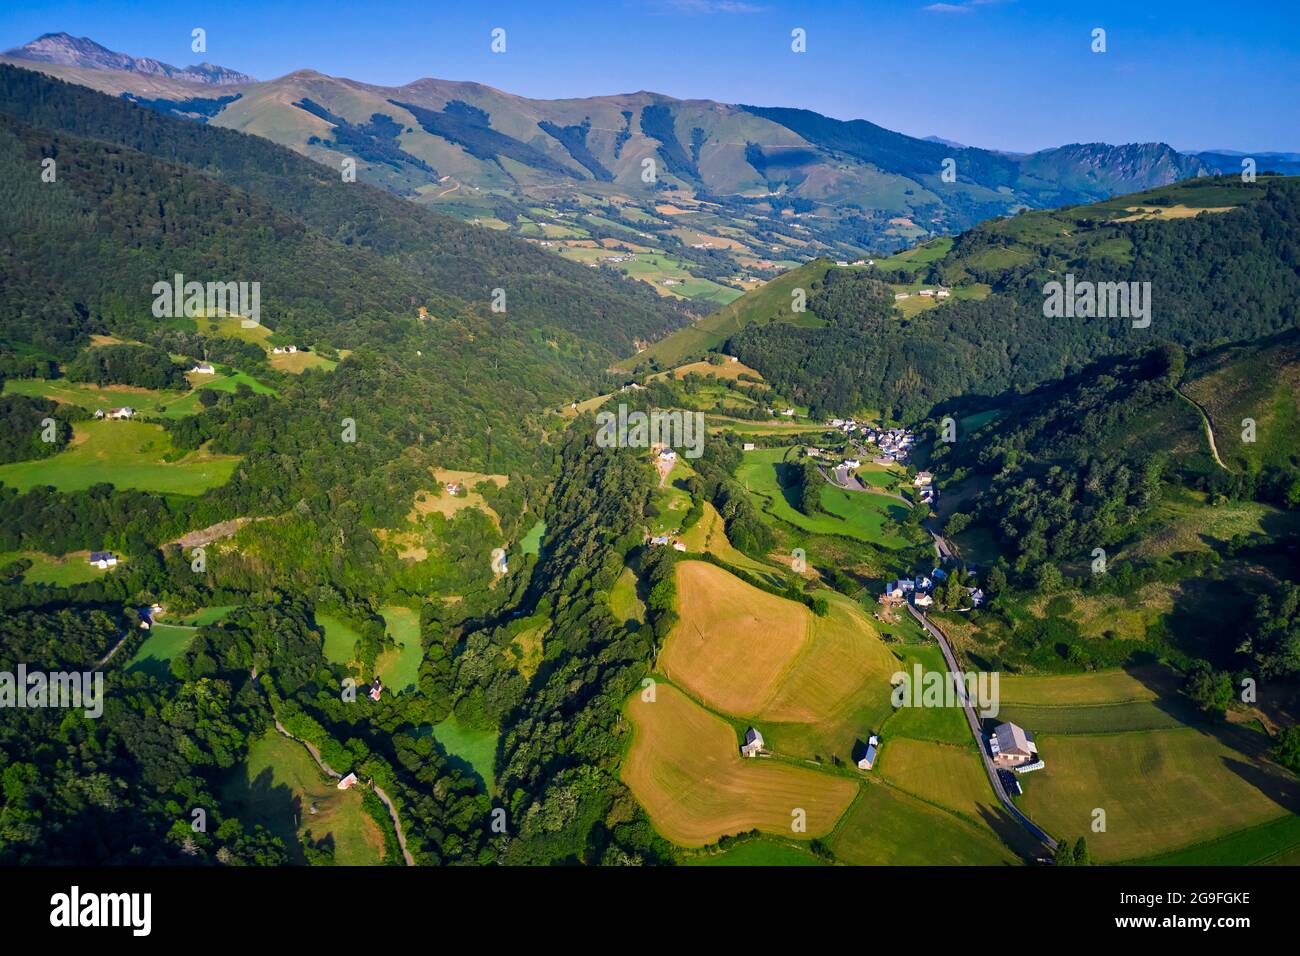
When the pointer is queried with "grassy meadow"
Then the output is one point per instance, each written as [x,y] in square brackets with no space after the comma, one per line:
[126,454]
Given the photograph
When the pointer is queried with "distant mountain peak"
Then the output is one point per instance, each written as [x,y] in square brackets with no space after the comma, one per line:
[67,50]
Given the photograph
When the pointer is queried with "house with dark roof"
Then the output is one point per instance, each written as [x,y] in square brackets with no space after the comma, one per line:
[1011,745]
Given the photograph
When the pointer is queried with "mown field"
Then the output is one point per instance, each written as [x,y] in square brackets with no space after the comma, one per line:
[164,643]
[56,570]
[147,401]
[340,638]
[280,784]
[1105,701]
[476,748]
[709,536]
[816,687]
[1160,789]
[684,767]
[887,827]
[126,454]
[624,602]
[400,667]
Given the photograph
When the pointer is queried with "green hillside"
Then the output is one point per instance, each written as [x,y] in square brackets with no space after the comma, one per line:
[769,303]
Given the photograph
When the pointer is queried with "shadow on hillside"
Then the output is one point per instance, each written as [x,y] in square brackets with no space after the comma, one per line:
[1011,833]
[275,806]
[1253,745]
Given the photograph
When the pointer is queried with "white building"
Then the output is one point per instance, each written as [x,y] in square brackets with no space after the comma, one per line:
[753,743]
[203,368]
[869,758]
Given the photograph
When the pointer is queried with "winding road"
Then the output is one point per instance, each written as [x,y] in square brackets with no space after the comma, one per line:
[1209,428]
[973,720]
[383,797]
[944,551]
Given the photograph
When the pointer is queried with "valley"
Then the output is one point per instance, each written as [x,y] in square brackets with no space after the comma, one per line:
[386,528]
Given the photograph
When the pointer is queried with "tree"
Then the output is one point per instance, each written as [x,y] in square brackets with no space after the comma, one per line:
[1287,749]
[1209,689]
[1081,855]
[1064,854]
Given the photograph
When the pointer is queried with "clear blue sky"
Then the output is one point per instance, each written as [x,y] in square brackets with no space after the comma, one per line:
[1007,74]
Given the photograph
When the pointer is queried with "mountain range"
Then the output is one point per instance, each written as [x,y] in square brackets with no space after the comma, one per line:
[739,193]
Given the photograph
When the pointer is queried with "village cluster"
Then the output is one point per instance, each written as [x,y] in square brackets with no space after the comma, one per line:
[920,591]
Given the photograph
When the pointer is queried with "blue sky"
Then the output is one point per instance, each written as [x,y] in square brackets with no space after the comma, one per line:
[1006,74]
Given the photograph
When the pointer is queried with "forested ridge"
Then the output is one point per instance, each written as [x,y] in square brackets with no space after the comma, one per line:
[1214,279]
[450,263]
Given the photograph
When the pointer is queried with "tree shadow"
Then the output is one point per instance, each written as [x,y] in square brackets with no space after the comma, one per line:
[276,806]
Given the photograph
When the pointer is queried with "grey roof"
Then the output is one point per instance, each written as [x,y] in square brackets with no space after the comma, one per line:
[1012,739]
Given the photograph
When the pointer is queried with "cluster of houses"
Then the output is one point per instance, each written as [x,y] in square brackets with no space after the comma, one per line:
[926,492]
[923,293]
[115,413]
[895,445]
[454,488]
[920,591]
[625,257]
[856,262]
[660,540]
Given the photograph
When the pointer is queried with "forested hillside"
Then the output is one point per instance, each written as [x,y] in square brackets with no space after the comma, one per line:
[446,266]
[1215,278]
[319,530]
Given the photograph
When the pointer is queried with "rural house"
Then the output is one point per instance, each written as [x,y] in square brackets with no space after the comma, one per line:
[869,757]
[203,368]
[124,412]
[753,743]
[1011,745]
[103,559]
[348,782]
[376,689]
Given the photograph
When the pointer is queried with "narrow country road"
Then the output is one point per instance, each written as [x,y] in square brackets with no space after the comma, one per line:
[841,479]
[1209,428]
[392,810]
[973,720]
[113,650]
